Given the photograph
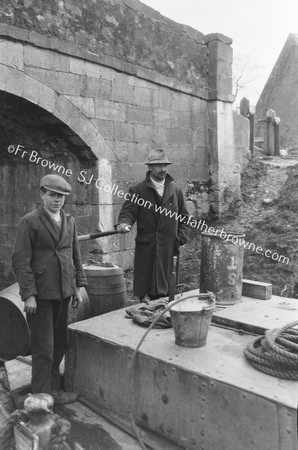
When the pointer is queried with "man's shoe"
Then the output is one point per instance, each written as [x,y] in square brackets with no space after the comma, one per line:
[63,397]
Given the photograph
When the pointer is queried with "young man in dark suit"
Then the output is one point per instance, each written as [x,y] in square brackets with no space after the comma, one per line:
[47,263]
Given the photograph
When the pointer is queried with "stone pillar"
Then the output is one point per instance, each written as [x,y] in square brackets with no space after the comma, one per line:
[224,172]
[270,117]
[245,111]
[276,137]
[251,132]
[272,133]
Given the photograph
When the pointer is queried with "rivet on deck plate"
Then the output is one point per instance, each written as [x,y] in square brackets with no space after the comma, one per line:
[202,433]
[165,399]
[203,385]
[204,399]
[195,377]
[193,442]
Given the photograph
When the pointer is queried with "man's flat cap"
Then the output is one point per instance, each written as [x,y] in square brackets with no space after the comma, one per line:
[55,183]
[157,156]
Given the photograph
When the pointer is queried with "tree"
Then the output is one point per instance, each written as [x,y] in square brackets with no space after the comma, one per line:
[246,78]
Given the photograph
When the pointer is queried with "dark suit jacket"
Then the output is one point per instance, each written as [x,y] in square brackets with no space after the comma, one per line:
[46,259]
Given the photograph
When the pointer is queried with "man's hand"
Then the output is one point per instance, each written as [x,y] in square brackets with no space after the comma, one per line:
[77,299]
[124,227]
[30,305]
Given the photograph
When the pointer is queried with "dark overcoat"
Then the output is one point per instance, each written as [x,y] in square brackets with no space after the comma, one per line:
[161,229]
[45,258]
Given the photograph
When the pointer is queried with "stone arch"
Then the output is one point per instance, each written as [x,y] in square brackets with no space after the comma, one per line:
[15,82]
[20,84]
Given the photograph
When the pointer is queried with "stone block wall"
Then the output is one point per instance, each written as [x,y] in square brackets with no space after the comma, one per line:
[107,104]
[128,31]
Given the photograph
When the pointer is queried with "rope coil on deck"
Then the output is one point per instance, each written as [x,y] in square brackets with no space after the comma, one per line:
[276,353]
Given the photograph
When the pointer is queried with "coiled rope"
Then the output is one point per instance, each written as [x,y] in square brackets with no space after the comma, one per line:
[276,353]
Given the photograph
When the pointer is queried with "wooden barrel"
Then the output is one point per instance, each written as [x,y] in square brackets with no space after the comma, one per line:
[106,287]
[14,330]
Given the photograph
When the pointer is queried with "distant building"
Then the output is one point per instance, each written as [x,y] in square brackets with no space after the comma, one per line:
[281,94]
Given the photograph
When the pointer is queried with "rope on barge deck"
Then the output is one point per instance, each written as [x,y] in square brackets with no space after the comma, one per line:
[276,353]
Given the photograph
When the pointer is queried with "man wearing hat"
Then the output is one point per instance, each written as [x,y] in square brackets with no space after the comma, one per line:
[47,262]
[159,235]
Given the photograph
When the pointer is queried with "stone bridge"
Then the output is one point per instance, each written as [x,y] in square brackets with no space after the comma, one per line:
[87,89]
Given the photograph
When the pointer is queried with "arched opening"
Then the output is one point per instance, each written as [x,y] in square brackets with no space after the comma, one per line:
[34,142]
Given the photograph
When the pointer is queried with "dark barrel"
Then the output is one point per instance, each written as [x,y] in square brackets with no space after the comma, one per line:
[106,287]
[221,266]
[14,331]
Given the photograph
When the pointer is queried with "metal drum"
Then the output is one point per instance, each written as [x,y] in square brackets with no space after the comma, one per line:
[106,287]
[221,266]
[14,331]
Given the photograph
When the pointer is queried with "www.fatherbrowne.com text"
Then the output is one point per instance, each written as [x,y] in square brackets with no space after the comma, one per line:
[101,184]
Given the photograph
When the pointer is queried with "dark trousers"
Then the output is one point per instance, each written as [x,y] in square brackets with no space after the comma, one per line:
[49,342]
[176,282]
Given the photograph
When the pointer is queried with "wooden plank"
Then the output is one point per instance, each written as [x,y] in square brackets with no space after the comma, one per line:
[256,289]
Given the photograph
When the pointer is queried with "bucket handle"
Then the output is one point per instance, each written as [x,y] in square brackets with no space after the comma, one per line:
[211,295]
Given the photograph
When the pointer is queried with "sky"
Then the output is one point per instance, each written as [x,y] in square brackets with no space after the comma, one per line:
[258,28]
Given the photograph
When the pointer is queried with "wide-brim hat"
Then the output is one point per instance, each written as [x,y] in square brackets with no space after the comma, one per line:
[157,156]
[55,183]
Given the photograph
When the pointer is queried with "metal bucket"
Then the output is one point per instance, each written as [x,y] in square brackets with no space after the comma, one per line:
[191,319]
[221,267]
[14,330]
[106,287]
